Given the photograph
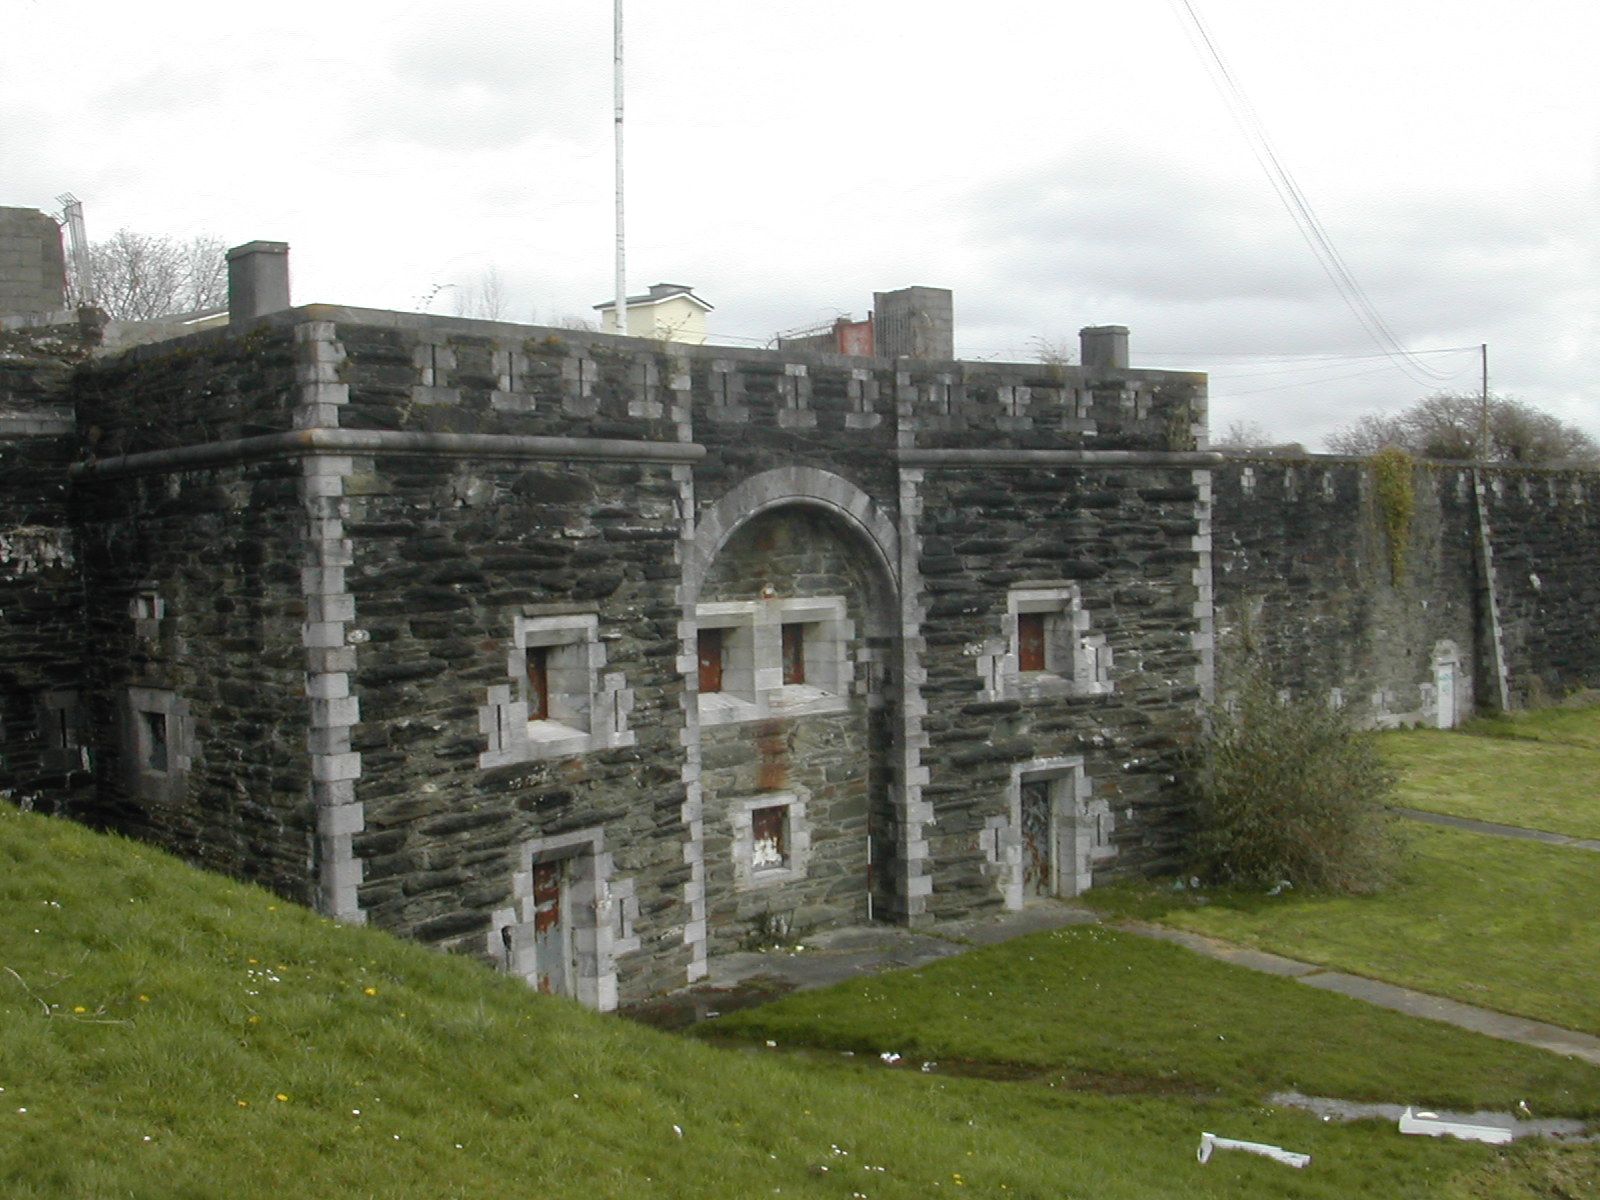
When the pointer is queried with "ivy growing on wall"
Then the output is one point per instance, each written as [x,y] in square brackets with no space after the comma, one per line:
[1394,472]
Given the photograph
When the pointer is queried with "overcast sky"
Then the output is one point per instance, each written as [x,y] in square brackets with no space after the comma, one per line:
[1057,164]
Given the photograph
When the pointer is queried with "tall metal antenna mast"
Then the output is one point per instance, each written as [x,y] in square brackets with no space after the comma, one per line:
[622,274]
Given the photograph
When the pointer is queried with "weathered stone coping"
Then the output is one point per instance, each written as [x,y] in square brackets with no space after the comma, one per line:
[381,442]
[50,423]
[913,457]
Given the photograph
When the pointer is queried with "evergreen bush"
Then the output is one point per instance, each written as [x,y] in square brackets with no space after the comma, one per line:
[1290,790]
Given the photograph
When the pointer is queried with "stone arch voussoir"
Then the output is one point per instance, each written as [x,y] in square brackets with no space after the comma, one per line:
[806,486]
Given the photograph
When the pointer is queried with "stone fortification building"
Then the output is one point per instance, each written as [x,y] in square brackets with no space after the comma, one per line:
[595,657]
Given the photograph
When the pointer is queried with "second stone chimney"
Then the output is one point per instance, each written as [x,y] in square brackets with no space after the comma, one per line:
[1103,347]
[258,280]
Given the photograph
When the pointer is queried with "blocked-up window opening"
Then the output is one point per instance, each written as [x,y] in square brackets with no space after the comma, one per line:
[771,839]
[709,642]
[769,833]
[1030,641]
[794,653]
[155,741]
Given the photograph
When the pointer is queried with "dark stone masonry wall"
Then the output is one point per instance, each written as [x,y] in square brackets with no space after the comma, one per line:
[837,760]
[193,608]
[1125,541]
[1303,570]
[403,616]
[447,557]
[193,611]
[1303,567]
[44,759]
[1546,556]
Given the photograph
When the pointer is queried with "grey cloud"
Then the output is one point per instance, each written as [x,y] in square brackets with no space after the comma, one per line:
[495,82]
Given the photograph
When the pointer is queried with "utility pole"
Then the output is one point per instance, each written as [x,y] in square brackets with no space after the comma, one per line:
[1483,411]
[616,81]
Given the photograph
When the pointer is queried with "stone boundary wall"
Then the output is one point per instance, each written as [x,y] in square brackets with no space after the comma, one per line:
[1303,565]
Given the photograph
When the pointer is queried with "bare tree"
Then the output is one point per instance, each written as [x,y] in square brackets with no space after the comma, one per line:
[1368,434]
[140,276]
[1052,352]
[486,298]
[1448,425]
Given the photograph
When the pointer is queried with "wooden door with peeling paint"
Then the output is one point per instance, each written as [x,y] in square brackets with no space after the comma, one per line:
[1038,875]
[552,928]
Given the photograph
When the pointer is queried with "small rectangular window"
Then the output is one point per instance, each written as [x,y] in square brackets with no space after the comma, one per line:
[155,748]
[710,646]
[794,653]
[538,683]
[769,837]
[1030,641]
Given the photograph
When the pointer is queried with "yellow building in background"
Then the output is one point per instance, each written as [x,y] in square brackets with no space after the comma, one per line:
[668,312]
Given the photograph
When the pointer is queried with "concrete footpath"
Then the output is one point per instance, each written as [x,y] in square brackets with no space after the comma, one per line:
[739,980]
[1494,829]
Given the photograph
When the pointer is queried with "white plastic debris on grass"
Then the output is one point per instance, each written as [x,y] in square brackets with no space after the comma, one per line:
[1428,1124]
[1210,1142]
[890,1057]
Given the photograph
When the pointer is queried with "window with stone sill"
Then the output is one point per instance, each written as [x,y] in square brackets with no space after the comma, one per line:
[1048,648]
[151,736]
[771,839]
[559,701]
[772,657]
[158,742]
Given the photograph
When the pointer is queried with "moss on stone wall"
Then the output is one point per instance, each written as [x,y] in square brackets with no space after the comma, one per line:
[1394,473]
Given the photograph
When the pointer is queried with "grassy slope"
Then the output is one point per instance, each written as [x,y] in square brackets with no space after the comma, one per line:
[156,1015]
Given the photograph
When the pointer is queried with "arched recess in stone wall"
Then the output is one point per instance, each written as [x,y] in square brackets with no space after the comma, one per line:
[796,779]
[806,486]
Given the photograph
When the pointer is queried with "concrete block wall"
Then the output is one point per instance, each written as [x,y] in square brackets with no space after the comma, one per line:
[32,266]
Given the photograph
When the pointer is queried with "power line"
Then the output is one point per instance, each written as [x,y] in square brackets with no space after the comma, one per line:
[1294,200]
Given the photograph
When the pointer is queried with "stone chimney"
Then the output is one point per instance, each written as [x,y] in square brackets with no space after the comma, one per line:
[914,322]
[1103,347]
[258,280]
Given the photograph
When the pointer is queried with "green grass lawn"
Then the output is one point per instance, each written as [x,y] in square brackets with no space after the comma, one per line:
[1534,782]
[1503,924]
[167,1033]
[1128,1014]
[1572,724]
